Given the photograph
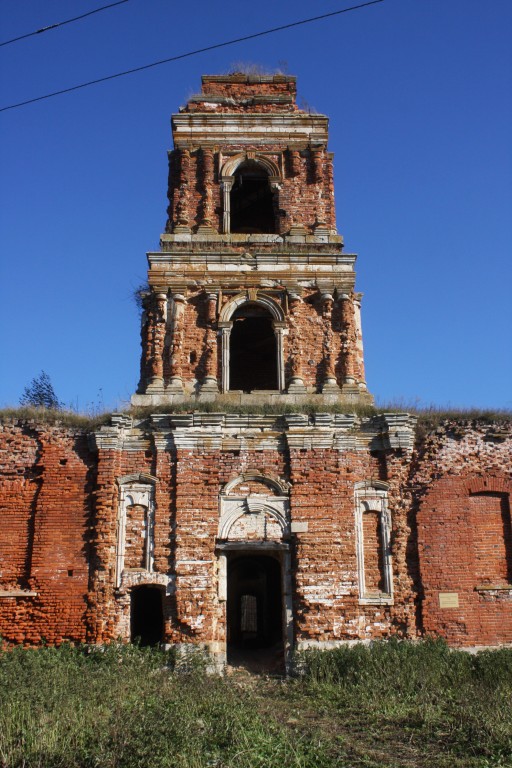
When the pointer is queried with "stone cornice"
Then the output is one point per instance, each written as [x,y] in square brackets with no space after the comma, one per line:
[213,432]
[214,243]
[226,128]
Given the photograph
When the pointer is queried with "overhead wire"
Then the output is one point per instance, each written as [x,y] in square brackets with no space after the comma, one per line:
[191,53]
[62,23]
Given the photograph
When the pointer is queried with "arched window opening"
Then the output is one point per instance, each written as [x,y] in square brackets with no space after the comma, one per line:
[251,204]
[253,350]
[147,617]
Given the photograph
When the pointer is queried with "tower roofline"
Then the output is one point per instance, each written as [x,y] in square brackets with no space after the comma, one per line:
[240,77]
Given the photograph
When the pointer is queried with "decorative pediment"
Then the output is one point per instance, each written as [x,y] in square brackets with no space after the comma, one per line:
[232,163]
[278,486]
[253,519]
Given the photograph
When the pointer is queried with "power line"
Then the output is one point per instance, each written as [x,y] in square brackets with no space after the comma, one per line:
[61,23]
[191,53]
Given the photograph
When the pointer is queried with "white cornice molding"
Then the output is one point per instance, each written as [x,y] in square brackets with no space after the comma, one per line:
[214,432]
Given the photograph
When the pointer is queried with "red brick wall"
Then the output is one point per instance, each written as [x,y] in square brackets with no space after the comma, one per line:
[464,486]
[450,534]
[492,539]
[310,180]
[46,492]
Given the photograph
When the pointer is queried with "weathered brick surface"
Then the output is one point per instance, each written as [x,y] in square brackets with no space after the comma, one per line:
[371,538]
[295,263]
[46,487]
[463,484]
[449,505]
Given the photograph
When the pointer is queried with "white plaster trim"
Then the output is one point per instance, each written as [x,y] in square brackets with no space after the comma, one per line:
[132,492]
[372,497]
[230,307]
[233,508]
[140,477]
[230,166]
[254,475]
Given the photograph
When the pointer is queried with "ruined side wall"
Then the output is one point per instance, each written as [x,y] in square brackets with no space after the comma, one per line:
[462,483]
[327,601]
[46,484]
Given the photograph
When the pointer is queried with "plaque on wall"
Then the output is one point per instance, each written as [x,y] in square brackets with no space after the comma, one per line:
[448,600]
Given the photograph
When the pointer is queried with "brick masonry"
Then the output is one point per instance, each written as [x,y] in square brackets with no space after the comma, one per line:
[449,502]
[376,529]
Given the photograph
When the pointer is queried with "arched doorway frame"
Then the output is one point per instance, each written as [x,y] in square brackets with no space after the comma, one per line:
[275,504]
[227,176]
[225,325]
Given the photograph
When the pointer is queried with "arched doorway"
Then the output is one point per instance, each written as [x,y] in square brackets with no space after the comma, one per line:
[253,350]
[252,204]
[147,617]
[254,611]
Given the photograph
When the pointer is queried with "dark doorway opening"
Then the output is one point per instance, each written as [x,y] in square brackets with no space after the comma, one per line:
[147,617]
[255,613]
[252,204]
[253,350]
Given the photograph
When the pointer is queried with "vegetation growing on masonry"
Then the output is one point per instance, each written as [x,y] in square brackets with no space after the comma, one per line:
[388,705]
[428,418]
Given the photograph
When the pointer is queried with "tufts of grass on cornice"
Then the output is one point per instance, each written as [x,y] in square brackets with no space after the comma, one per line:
[429,418]
[432,416]
[265,409]
[53,417]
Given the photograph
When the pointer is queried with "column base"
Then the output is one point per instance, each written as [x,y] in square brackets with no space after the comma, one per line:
[155,385]
[297,229]
[296,386]
[209,386]
[330,387]
[205,229]
[350,387]
[175,386]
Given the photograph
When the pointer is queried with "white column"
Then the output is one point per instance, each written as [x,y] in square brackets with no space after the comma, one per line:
[227,185]
[225,328]
[222,578]
[279,330]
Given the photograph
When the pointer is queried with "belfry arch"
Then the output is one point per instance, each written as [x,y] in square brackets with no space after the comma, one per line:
[250,182]
[252,344]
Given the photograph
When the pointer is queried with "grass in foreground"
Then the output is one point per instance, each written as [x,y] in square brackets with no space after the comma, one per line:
[392,705]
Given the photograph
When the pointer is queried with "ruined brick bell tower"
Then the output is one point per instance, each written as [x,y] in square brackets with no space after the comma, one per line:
[249,532]
[251,297]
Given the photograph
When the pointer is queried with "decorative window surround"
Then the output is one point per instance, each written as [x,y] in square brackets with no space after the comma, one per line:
[135,489]
[372,497]
[227,176]
[225,326]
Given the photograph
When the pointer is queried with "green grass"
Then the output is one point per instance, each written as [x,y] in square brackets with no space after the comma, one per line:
[50,416]
[389,705]
[429,417]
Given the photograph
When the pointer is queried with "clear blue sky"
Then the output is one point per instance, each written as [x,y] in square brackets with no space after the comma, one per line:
[419,98]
